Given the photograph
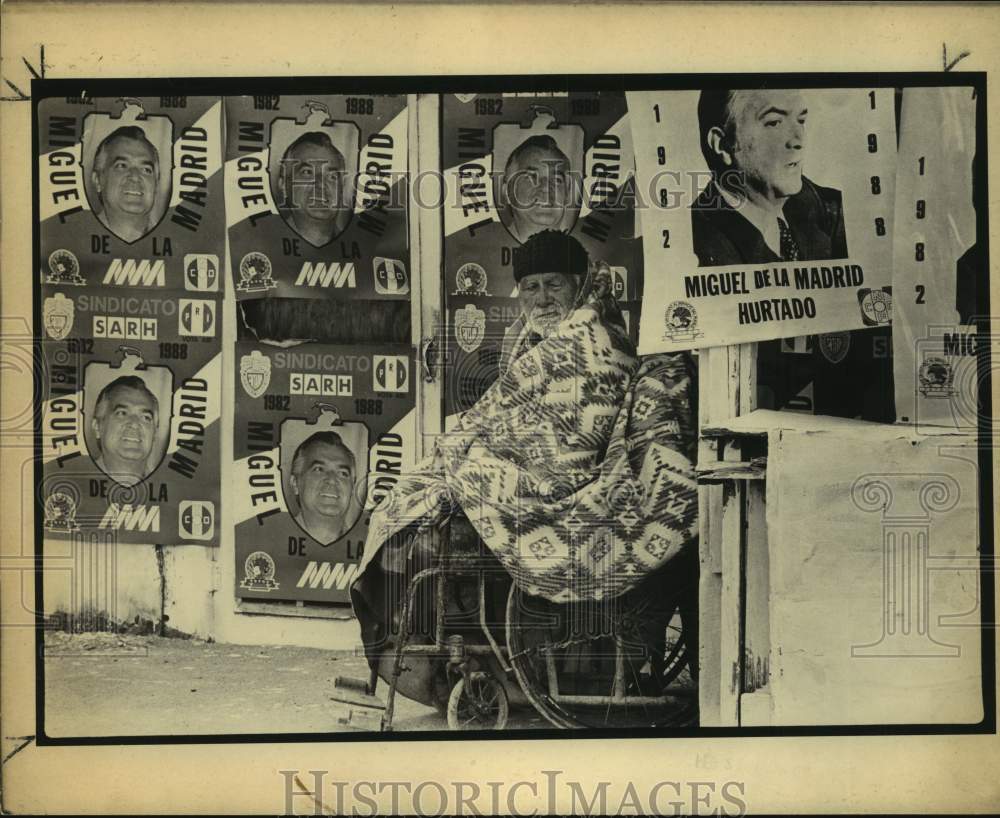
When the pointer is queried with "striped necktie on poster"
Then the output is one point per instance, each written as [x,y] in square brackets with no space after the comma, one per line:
[789,247]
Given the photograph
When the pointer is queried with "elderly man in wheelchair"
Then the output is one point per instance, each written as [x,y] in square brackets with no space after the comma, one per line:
[555,526]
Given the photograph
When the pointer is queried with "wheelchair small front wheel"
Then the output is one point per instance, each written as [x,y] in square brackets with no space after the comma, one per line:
[478,702]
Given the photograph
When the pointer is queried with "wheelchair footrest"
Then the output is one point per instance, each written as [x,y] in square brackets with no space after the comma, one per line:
[349,690]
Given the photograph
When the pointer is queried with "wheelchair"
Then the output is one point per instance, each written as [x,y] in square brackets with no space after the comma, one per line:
[627,662]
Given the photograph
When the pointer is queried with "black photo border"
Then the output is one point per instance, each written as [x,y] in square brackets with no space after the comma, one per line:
[359,85]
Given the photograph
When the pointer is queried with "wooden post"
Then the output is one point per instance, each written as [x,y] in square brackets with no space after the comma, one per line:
[727,388]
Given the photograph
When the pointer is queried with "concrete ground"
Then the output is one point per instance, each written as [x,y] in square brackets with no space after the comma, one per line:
[105,684]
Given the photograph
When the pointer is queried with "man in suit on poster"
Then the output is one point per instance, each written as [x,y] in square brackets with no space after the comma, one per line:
[759,206]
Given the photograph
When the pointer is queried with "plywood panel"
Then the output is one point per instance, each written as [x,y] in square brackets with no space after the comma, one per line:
[872,546]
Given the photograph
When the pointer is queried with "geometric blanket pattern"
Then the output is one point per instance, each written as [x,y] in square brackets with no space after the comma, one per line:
[575,467]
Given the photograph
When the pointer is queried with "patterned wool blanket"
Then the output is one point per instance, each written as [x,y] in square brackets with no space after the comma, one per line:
[575,467]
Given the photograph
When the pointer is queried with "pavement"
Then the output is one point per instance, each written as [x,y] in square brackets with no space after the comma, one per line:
[108,684]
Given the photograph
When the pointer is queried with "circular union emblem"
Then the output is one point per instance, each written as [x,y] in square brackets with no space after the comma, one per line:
[471,277]
[59,506]
[935,374]
[63,264]
[254,266]
[259,567]
[680,316]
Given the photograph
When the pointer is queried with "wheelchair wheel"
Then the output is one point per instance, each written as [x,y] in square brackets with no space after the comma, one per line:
[478,702]
[620,663]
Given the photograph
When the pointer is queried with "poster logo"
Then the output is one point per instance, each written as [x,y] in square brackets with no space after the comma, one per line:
[320,274]
[390,373]
[196,317]
[57,316]
[124,328]
[131,518]
[132,273]
[470,327]
[470,280]
[619,282]
[201,272]
[834,346]
[255,273]
[258,572]
[681,321]
[390,276]
[465,98]
[196,519]
[255,373]
[64,269]
[320,384]
[60,512]
[876,306]
[935,378]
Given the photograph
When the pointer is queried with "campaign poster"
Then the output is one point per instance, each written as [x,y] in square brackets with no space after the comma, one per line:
[772,213]
[940,265]
[322,434]
[130,192]
[131,385]
[316,190]
[516,164]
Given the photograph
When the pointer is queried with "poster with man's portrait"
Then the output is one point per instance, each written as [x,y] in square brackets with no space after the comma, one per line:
[324,476]
[131,192]
[316,196]
[322,434]
[772,210]
[129,423]
[126,417]
[311,167]
[516,165]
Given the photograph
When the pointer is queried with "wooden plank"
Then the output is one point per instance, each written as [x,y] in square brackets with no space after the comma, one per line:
[426,231]
[730,631]
[709,604]
[727,387]
[746,378]
[755,469]
[712,397]
[755,702]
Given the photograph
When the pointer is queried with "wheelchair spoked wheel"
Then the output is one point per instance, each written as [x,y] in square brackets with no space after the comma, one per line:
[478,702]
[620,663]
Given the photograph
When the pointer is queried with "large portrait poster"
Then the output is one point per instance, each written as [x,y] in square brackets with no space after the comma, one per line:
[940,265]
[316,196]
[131,238]
[516,164]
[130,192]
[323,432]
[771,211]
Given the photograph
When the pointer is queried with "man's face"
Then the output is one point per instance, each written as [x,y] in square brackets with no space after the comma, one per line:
[314,181]
[125,424]
[325,480]
[539,186]
[770,140]
[546,299]
[127,176]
